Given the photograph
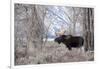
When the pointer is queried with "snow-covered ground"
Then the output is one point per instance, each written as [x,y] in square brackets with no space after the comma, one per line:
[50,39]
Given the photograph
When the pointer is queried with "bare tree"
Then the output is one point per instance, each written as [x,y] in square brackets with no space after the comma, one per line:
[89,29]
[29,28]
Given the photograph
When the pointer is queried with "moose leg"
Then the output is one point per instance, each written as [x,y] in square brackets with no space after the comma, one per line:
[70,51]
[69,47]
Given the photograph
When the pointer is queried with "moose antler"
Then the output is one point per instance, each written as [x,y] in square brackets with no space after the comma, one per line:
[61,32]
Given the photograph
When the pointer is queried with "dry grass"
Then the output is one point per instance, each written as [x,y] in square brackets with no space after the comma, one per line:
[52,53]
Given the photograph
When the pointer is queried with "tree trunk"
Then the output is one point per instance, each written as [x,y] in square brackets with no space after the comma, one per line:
[89,29]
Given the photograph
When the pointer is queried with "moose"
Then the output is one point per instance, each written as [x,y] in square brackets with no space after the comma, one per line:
[70,41]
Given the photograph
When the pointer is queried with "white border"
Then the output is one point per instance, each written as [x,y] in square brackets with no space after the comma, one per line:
[12,35]
[78,3]
[73,3]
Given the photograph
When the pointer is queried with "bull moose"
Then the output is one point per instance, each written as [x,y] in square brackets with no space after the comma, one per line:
[70,41]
